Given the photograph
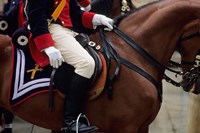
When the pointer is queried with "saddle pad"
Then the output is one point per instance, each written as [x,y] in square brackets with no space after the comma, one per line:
[27,79]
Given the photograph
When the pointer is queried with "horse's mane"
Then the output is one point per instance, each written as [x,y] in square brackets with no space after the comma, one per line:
[102,6]
[119,18]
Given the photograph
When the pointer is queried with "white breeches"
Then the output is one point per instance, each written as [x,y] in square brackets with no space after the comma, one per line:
[72,52]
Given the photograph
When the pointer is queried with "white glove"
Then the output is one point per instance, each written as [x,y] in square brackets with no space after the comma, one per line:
[55,56]
[87,8]
[102,20]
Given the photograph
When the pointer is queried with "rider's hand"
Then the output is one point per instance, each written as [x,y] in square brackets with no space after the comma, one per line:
[102,20]
[55,56]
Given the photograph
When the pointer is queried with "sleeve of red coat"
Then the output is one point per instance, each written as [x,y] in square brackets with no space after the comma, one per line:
[84,3]
[43,41]
[37,15]
[87,19]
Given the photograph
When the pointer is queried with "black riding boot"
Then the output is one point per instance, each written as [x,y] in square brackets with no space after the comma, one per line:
[73,106]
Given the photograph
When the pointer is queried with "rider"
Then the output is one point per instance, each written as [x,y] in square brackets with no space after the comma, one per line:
[54,43]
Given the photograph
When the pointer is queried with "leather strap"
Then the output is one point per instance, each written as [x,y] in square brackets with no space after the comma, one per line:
[51,94]
[58,10]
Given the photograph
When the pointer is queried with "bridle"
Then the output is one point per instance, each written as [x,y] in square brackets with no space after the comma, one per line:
[191,75]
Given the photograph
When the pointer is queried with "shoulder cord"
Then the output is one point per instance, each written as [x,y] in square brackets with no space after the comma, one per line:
[54,15]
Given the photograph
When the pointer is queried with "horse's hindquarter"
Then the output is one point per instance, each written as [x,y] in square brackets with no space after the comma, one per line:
[5,70]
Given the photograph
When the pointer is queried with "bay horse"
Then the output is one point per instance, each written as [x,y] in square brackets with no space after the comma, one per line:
[111,8]
[157,29]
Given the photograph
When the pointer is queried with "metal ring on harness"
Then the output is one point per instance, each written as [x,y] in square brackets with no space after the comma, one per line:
[92,44]
[3,25]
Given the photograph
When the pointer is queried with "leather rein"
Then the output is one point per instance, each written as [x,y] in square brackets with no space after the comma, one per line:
[109,53]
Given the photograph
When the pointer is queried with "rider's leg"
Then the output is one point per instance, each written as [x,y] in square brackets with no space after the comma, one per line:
[73,105]
[75,55]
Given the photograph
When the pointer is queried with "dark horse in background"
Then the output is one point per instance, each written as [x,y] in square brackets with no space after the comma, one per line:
[134,105]
[111,8]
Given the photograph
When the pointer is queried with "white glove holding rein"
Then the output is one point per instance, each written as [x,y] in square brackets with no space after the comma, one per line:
[55,56]
[99,19]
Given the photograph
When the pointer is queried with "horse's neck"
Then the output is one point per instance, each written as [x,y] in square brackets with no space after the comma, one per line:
[158,27]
